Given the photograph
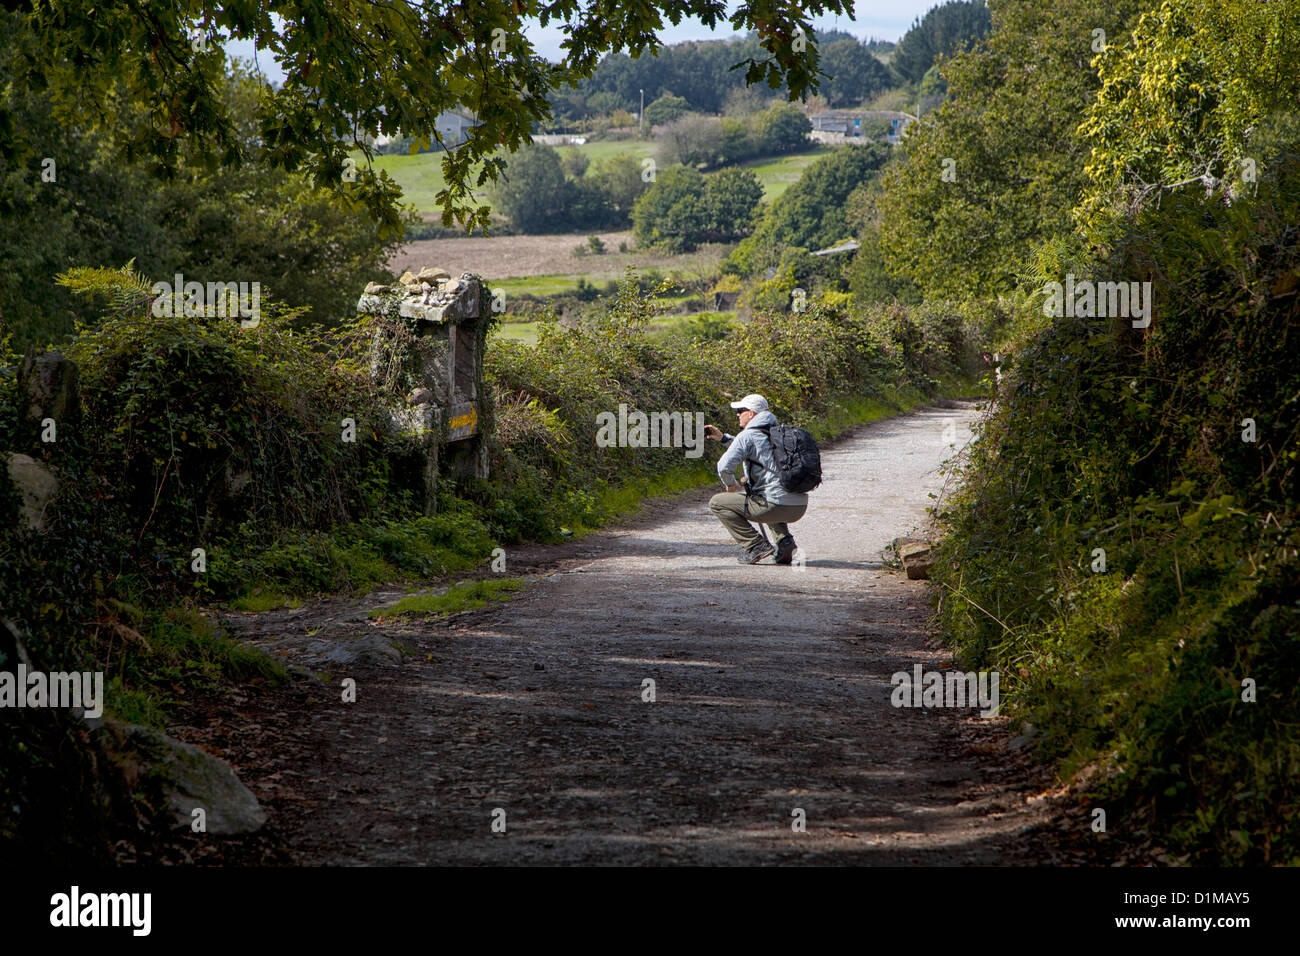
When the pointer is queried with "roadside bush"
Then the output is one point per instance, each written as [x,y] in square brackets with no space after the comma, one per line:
[197,433]
[804,363]
[197,422]
[1126,560]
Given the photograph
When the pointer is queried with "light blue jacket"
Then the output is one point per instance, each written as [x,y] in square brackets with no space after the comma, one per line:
[753,448]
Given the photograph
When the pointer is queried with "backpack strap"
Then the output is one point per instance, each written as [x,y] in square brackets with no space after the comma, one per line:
[767,433]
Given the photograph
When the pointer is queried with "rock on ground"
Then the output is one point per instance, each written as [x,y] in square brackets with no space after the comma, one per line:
[192,779]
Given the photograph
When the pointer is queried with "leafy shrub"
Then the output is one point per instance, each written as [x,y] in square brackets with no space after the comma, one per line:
[552,393]
[684,208]
[198,422]
[709,326]
[1106,442]
[811,213]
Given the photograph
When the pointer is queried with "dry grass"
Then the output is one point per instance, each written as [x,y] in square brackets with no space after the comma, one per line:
[509,257]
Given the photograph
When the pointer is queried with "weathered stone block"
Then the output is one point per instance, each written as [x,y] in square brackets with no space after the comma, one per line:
[418,419]
[48,382]
[442,381]
[376,304]
[37,485]
[916,560]
[449,303]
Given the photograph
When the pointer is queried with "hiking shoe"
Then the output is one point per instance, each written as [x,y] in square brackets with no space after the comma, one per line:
[785,550]
[756,554]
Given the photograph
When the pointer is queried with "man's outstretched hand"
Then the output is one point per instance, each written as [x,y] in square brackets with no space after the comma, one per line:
[713,431]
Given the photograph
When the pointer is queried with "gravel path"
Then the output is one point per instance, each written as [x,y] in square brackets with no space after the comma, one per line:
[772,696]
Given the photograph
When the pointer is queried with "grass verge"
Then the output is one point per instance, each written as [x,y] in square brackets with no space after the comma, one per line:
[462,596]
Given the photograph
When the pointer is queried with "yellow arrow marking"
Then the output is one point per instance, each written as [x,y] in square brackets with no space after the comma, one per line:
[470,418]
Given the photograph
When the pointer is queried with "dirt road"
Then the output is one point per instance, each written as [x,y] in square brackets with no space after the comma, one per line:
[771,702]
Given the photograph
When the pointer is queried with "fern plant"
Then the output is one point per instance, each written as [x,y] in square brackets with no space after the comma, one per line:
[125,291]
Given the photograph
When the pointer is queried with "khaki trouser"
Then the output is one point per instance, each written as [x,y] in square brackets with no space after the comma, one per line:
[736,510]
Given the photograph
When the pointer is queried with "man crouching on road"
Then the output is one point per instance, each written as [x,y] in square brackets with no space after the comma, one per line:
[759,496]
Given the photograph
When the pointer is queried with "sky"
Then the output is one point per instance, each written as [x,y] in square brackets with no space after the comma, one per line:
[887,21]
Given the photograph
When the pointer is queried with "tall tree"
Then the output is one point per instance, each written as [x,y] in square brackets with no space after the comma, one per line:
[946,29]
[693,141]
[783,129]
[619,181]
[811,213]
[534,193]
[997,168]
[733,196]
[72,201]
[1189,103]
[674,212]
[665,109]
[855,74]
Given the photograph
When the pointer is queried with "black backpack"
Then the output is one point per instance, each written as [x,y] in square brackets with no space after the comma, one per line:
[798,462]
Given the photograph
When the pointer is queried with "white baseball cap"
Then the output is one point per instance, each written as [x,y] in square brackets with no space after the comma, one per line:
[755,403]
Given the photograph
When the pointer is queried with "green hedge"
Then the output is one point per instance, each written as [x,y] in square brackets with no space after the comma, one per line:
[805,363]
[1107,437]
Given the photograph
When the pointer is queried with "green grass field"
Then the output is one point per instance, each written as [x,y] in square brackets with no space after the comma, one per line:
[420,176]
[539,285]
[600,151]
[525,332]
[778,175]
[561,284]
